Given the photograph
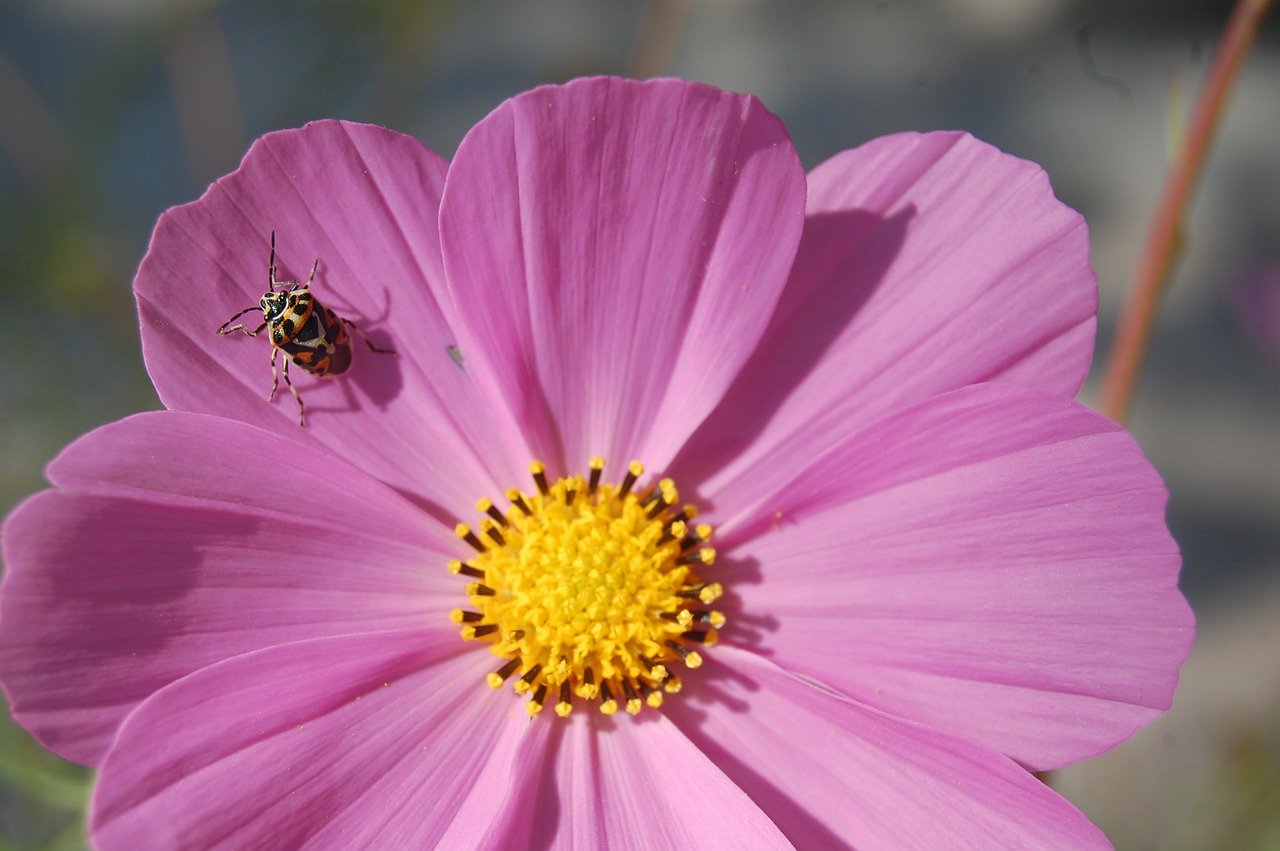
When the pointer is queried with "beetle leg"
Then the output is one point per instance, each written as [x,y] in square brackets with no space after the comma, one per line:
[223,329]
[275,376]
[296,396]
[366,339]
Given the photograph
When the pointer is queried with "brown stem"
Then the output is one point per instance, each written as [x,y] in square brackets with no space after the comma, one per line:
[1165,237]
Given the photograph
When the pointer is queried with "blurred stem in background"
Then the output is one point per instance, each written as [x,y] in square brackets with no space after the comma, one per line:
[1164,240]
[659,37]
[201,77]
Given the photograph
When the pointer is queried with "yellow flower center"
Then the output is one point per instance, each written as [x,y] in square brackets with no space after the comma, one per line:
[587,589]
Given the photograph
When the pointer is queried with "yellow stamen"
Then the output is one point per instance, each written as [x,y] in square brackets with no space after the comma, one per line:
[586,588]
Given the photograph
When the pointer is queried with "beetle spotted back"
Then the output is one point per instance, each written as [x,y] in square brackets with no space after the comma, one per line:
[310,334]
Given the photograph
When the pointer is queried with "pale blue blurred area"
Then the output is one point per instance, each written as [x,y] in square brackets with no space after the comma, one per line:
[113,110]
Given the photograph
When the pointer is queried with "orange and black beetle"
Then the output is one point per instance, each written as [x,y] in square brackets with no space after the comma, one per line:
[312,335]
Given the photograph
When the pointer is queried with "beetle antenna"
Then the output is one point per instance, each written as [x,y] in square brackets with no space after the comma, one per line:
[271,267]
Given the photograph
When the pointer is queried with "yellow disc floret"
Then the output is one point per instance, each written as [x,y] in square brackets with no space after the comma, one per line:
[587,590]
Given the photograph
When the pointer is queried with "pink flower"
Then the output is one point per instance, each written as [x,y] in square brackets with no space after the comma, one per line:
[1255,299]
[938,570]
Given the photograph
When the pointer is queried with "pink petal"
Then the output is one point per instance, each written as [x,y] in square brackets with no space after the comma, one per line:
[364,201]
[360,741]
[166,553]
[496,814]
[634,784]
[615,249]
[993,562]
[928,262]
[834,774]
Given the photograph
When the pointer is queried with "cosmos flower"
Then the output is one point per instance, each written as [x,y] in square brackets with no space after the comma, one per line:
[764,493]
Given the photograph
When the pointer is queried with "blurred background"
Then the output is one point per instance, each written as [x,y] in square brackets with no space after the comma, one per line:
[113,110]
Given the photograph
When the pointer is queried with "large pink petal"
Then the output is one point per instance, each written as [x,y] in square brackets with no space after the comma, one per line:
[182,539]
[362,741]
[634,784]
[615,249]
[929,262]
[364,201]
[994,563]
[834,774]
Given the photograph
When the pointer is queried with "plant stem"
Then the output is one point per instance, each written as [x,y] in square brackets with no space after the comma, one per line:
[1165,237]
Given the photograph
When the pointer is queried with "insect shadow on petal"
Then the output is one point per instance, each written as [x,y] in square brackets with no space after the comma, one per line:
[310,334]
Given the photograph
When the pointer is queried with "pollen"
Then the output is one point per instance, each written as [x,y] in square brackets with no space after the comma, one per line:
[587,590]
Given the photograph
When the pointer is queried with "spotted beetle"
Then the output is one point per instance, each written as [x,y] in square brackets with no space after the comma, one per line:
[310,334]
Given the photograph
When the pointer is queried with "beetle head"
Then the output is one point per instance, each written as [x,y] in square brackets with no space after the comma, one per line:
[274,304]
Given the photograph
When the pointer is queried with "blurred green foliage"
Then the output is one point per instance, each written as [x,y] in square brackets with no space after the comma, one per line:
[45,799]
